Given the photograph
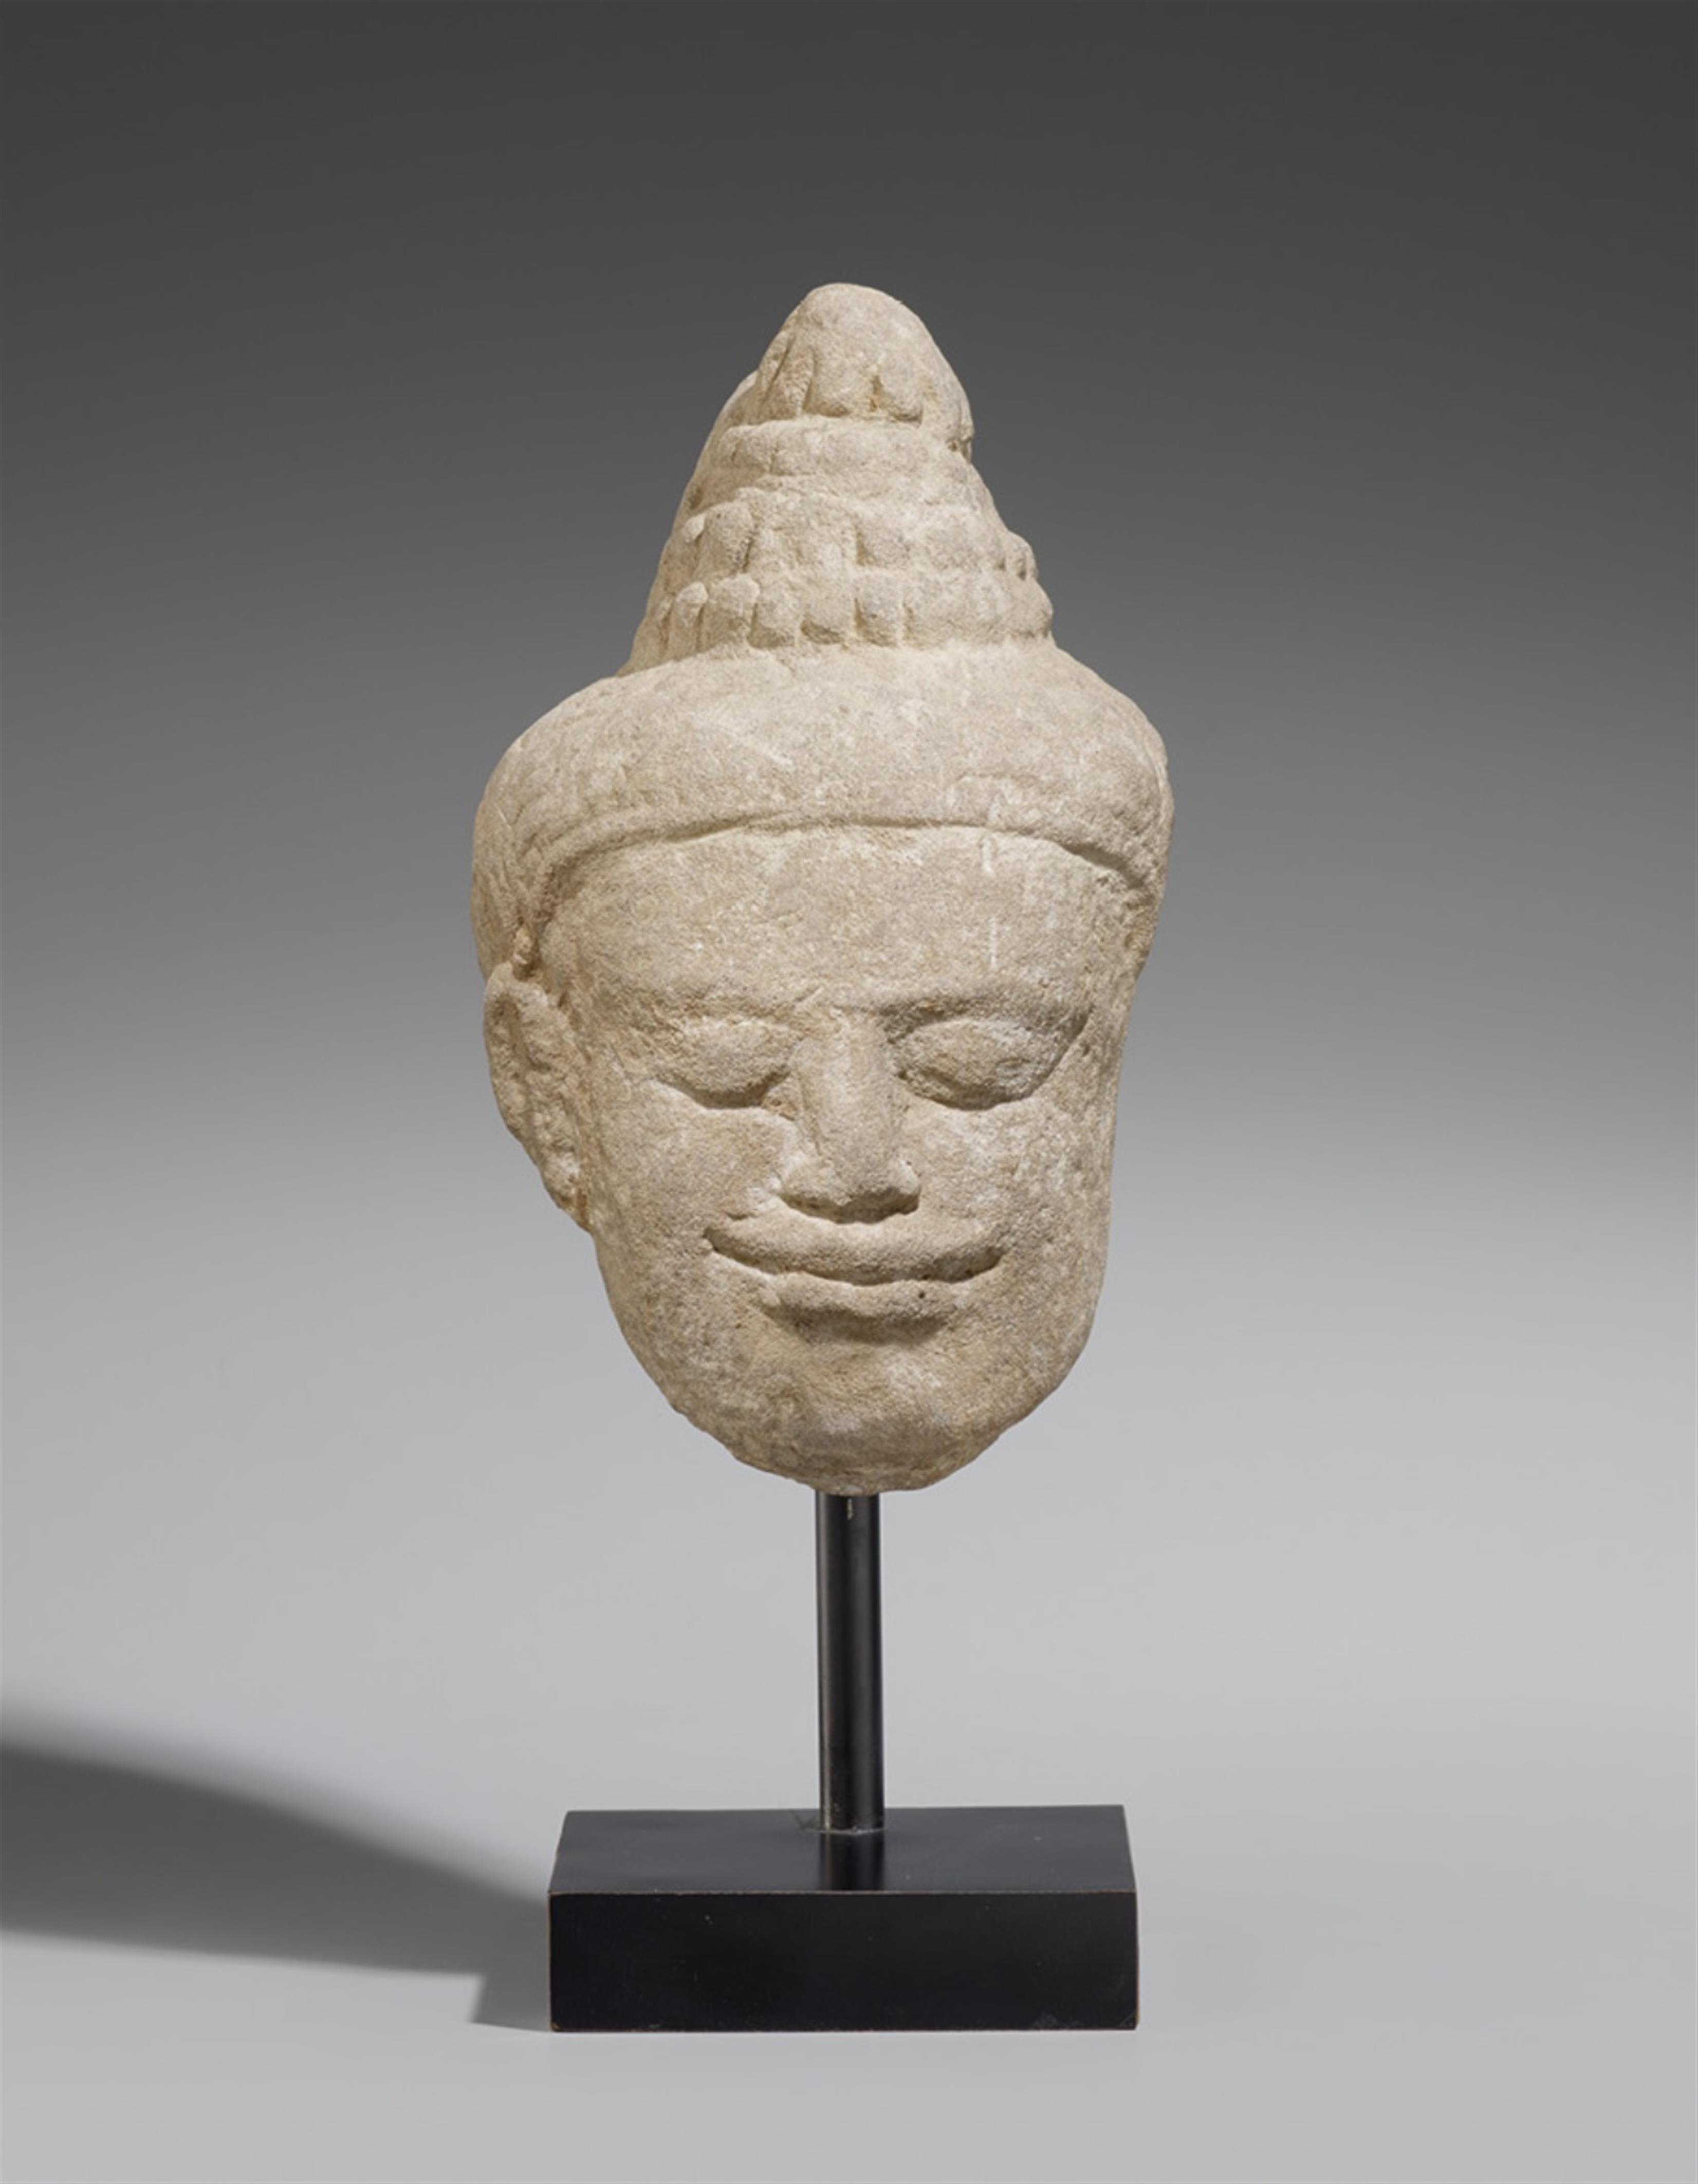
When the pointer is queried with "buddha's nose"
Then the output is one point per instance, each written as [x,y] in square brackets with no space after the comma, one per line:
[847,1163]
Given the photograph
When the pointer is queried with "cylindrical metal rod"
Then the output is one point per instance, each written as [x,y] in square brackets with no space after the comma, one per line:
[851,1663]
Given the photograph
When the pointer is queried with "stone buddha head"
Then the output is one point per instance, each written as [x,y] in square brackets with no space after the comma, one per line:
[809,936]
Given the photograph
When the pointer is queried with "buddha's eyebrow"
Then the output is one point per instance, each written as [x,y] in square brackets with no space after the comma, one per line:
[1036,1008]
[669,1009]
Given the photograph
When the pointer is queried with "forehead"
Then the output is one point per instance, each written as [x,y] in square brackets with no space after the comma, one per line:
[851,914]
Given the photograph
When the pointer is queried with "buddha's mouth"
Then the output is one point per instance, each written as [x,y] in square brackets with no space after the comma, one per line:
[854,1278]
[864,1255]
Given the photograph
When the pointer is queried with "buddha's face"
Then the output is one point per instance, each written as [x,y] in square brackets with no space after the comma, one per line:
[843,1101]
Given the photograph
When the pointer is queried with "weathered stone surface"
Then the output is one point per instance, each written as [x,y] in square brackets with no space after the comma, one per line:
[809,936]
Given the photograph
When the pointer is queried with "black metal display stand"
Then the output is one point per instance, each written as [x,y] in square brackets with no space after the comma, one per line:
[851,1917]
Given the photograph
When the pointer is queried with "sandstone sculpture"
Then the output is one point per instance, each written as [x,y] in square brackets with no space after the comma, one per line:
[809,936]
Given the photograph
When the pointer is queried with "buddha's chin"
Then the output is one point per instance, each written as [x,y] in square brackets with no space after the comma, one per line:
[868,1466]
[890,1417]
[856,1388]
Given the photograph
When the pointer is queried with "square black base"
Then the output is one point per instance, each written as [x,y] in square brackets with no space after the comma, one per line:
[1003,1918]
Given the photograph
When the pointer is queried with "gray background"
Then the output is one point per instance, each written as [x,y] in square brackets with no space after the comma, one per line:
[1335,360]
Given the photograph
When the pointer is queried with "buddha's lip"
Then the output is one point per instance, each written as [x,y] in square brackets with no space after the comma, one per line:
[862,1256]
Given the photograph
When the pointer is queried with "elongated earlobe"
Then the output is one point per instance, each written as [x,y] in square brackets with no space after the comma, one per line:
[532,1067]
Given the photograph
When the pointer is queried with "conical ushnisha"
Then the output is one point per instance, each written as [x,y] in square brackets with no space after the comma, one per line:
[836,504]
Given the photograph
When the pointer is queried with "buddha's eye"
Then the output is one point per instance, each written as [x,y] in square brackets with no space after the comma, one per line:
[723,1063]
[981,1061]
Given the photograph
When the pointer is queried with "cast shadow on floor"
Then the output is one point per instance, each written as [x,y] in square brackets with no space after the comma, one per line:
[101,1849]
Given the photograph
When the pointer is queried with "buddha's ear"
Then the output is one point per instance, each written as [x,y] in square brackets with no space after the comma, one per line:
[533,1067]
